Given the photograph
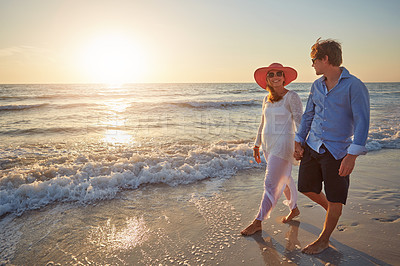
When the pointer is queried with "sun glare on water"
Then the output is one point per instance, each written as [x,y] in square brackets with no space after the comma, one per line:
[113,59]
[116,133]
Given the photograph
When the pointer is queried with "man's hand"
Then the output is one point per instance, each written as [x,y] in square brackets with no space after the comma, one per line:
[298,151]
[347,165]
[256,154]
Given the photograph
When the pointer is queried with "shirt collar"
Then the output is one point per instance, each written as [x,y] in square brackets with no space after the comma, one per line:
[345,74]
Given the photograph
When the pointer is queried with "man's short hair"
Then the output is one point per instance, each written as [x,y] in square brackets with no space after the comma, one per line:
[329,47]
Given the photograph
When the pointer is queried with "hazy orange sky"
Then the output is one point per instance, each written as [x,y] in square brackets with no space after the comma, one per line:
[75,41]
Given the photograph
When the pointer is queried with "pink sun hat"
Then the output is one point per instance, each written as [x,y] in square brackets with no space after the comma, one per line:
[260,75]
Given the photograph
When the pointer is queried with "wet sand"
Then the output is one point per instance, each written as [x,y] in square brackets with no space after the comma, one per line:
[200,224]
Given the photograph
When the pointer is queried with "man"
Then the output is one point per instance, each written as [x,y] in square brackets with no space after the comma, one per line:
[332,133]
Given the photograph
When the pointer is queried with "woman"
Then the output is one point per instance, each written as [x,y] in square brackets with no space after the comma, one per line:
[281,112]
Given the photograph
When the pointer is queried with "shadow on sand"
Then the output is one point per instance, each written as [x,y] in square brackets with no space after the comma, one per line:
[337,254]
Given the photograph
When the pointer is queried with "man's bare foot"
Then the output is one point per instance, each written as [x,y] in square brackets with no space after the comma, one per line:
[293,213]
[252,228]
[316,247]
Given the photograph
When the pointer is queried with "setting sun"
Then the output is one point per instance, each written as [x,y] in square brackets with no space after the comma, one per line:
[113,59]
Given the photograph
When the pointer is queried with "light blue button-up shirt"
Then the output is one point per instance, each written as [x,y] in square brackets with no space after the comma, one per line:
[333,117]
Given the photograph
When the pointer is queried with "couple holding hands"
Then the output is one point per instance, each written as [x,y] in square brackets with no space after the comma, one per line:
[326,138]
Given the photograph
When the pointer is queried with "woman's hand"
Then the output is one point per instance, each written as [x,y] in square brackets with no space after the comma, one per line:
[256,154]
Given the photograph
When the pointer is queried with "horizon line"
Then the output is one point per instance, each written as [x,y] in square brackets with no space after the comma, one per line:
[120,84]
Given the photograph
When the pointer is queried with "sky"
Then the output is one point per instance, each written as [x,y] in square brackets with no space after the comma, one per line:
[179,41]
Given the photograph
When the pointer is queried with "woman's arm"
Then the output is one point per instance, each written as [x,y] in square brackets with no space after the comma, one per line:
[257,142]
[296,108]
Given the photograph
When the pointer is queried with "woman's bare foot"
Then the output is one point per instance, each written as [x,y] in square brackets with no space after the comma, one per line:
[252,228]
[293,213]
[316,247]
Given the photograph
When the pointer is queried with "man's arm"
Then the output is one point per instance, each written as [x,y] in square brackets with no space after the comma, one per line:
[304,127]
[361,109]
[347,165]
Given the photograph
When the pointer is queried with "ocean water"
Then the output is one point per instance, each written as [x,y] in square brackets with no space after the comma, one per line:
[85,143]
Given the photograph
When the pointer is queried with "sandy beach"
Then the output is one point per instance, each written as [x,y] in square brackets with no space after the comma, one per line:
[200,223]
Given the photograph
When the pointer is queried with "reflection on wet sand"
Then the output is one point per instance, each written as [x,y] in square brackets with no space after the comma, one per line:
[269,252]
[133,233]
[274,253]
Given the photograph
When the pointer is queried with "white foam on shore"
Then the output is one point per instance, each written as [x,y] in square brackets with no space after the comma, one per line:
[87,177]
[383,137]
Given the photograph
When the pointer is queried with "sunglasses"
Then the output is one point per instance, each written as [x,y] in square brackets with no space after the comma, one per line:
[272,74]
[313,59]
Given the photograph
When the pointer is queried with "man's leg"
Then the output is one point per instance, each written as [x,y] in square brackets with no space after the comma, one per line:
[318,198]
[332,217]
[336,189]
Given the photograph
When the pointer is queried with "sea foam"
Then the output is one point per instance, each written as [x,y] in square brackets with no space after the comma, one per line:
[86,177]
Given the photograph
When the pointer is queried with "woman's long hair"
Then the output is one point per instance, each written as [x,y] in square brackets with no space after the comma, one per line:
[273,96]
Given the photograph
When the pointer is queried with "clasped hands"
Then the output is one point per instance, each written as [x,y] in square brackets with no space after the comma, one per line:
[346,166]
[298,151]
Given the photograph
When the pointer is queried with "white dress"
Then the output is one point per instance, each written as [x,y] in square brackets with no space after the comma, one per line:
[276,137]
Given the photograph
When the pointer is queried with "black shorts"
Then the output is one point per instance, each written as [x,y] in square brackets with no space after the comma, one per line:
[316,168]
